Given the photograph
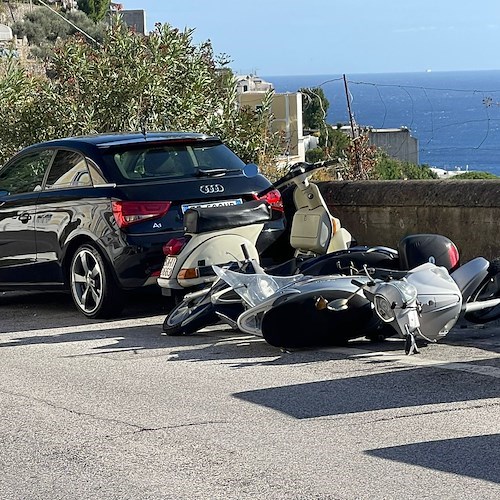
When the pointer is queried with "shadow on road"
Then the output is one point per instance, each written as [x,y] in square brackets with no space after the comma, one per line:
[467,456]
[221,345]
[30,310]
[217,344]
[485,337]
[396,389]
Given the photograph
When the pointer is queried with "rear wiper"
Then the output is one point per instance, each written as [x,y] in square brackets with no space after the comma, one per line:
[211,172]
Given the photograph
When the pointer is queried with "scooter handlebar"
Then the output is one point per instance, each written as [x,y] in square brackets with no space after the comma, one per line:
[301,168]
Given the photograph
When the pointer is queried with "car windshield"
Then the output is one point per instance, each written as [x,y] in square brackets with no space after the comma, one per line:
[148,162]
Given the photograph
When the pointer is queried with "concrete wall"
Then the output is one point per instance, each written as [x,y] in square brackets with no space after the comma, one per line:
[398,143]
[382,212]
[5,33]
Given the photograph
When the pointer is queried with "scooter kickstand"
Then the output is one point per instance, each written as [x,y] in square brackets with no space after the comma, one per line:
[411,345]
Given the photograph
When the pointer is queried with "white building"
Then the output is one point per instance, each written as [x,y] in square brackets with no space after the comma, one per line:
[5,34]
[252,83]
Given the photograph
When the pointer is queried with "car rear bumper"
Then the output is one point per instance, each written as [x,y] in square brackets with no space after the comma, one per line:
[138,263]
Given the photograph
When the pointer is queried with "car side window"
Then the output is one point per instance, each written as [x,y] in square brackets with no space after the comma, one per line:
[25,174]
[95,173]
[69,169]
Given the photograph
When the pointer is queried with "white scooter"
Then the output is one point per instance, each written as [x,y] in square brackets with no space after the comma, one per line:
[216,236]
[423,303]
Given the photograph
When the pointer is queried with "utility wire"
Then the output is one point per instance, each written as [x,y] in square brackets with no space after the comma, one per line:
[70,23]
[432,134]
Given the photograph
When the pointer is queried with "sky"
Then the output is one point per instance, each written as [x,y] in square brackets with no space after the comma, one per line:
[325,37]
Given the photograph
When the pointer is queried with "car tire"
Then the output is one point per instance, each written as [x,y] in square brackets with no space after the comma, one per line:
[93,288]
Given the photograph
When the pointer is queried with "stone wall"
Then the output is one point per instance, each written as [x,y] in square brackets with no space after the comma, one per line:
[382,212]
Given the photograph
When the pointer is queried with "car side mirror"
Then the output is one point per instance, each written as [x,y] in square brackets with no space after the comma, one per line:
[3,192]
[250,170]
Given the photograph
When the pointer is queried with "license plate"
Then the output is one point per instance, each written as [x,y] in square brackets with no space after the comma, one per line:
[168,267]
[211,204]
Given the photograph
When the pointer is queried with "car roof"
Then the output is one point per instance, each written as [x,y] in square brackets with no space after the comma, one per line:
[117,139]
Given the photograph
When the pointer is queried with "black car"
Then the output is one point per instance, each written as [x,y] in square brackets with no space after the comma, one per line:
[91,214]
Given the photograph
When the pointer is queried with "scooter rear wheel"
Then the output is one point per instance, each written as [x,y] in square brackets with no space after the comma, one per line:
[189,317]
[490,289]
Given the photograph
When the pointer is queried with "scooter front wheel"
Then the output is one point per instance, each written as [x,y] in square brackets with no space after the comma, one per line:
[189,317]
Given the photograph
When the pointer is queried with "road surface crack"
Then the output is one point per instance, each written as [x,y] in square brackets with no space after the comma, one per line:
[138,428]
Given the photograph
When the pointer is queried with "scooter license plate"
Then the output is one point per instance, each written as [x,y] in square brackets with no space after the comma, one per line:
[212,204]
[168,267]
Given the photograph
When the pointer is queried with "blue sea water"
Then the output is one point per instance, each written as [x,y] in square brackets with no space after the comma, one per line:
[454,115]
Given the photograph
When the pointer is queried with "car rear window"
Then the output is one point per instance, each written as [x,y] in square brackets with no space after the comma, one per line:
[171,160]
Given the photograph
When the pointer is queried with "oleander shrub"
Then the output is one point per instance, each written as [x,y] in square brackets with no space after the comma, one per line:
[131,82]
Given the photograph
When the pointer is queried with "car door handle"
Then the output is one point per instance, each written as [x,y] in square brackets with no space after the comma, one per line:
[24,218]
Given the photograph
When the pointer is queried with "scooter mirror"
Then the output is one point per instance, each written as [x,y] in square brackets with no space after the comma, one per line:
[343,304]
[250,170]
[338,305]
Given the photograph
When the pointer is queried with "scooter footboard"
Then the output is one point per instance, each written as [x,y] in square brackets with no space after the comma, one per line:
[469,276]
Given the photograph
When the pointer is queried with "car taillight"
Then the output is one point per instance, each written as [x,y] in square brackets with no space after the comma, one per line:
[274,199]
[131,212]
[174,246]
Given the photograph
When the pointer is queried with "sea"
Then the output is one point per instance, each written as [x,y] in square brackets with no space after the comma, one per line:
[454,115]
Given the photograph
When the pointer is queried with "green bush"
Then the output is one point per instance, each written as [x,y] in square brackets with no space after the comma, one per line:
[131,82]
[314,107]
[314,155]
[334,141]
[43,28]
[387,168]
[474,175]
[95,9]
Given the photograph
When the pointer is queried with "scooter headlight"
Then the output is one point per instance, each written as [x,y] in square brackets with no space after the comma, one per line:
[383,308]
[388,296]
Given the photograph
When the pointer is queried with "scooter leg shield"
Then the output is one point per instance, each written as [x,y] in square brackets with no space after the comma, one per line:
[298,323]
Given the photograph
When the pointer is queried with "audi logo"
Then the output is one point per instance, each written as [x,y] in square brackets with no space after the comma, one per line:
[212,188]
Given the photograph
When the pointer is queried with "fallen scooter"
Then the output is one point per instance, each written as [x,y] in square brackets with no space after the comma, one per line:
[221,301]
[428,302]
[423,303]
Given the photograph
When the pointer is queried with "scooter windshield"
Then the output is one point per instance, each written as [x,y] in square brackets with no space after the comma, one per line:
[255,288]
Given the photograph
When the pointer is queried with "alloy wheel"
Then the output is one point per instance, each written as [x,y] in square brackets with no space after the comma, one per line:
[87,281]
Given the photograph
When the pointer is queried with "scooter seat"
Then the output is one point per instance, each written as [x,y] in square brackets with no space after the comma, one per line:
[204,220]
[470,275]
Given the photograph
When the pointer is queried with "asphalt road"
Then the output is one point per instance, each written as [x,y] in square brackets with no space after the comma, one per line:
[93,409]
